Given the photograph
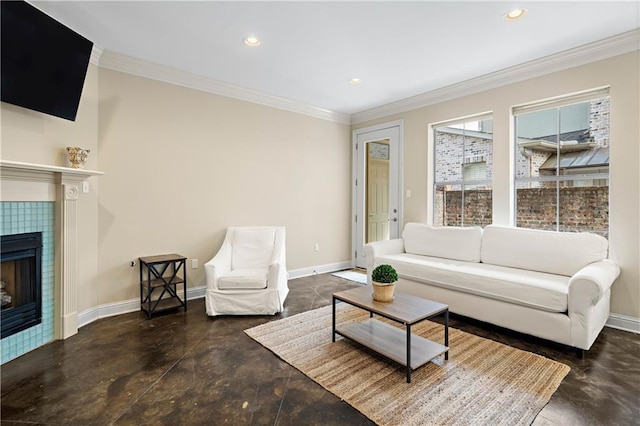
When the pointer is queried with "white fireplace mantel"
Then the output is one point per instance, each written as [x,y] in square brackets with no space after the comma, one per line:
[15,170]
[38,182]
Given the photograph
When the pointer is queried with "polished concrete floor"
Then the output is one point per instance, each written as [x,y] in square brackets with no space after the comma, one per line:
[186,368]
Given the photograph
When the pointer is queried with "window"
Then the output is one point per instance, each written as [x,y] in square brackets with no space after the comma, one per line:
[463,156]
[562,164]
[475,171]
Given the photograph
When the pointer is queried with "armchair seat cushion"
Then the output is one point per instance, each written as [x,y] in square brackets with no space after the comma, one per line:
[244,279]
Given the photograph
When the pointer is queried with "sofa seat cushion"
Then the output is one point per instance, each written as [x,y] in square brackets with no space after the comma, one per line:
[537,290]
[244,279]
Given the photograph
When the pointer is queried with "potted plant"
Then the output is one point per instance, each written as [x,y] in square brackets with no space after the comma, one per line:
[383,278]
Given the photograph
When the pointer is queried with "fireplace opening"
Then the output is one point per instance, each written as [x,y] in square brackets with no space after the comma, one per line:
[20,282]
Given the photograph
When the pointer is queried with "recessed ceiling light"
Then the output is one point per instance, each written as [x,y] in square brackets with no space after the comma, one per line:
[355,80]
[515,14]
[252,41]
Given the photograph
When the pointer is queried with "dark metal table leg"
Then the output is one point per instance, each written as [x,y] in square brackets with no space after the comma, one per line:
[333,322]
[446,333]
[184,284]
[408,353]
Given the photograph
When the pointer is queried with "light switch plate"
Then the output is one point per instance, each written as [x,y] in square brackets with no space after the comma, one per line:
[85,187]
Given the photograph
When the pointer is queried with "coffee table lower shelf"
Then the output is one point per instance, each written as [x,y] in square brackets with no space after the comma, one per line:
[391,342]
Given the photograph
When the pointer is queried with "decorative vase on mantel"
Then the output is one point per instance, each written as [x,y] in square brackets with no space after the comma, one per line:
[383,279]
[77,156]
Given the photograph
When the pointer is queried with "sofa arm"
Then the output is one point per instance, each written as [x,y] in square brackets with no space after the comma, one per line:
[589,284]
[380,248]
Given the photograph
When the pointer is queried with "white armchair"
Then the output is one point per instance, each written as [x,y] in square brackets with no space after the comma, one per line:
[248,275]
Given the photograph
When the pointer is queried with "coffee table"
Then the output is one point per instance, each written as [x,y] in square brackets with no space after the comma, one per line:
[403,347]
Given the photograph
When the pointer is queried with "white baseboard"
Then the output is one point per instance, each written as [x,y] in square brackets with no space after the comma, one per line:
[618,321]
[124,307]
[132,305]
[623,322]
[320,269]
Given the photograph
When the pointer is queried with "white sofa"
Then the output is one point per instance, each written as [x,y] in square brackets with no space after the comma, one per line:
[553,285]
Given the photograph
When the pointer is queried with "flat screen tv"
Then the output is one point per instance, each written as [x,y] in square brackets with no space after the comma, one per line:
[44,63]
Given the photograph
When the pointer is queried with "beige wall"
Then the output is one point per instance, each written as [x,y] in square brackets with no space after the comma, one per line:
[182,165]
[33,137]
[622,74]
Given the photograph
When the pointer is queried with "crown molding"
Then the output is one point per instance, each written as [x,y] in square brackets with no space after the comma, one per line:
[96,52]
[592,52]
[129,65]
[588,53]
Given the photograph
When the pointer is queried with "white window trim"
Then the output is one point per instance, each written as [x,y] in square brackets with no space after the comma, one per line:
[556,102]
[488,183]
[574,98]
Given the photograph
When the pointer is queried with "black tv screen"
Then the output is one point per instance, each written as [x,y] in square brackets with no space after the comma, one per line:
[44,63]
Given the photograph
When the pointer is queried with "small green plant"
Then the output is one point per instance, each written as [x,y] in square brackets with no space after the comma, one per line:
[384,274]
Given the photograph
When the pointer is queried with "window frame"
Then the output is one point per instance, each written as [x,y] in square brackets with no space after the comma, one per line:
[544,105]
[462,183]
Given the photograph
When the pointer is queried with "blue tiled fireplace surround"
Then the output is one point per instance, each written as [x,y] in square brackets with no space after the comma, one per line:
[19,218]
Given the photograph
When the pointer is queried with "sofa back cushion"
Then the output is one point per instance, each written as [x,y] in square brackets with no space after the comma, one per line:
[449,242]
[562,253]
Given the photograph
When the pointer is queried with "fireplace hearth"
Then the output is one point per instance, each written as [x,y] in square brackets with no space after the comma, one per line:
[21,276]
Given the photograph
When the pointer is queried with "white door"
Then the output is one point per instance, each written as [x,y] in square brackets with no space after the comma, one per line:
[377,216]
[375,194]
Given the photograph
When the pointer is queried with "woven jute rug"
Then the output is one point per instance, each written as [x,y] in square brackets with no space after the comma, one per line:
[482,383]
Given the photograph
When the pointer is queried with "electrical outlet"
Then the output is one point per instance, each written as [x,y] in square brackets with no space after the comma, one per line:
[194,263]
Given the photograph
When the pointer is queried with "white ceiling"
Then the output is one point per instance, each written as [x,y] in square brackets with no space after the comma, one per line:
[310,50]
